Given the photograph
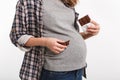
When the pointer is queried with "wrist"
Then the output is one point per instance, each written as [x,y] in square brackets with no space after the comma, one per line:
[43,41]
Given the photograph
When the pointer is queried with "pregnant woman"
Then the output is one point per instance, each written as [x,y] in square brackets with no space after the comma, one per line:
[40,28]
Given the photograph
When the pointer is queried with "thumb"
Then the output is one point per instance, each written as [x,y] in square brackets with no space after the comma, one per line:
[60,42]
[64,43]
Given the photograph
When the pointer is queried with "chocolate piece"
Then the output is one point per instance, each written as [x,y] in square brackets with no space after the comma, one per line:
[84,20]
[66,43]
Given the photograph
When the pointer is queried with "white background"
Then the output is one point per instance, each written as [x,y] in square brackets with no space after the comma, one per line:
[103,57]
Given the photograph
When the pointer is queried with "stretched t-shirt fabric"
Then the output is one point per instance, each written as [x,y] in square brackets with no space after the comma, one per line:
[58,21]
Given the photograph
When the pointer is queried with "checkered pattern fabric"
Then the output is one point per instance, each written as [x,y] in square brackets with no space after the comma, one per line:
[28,21]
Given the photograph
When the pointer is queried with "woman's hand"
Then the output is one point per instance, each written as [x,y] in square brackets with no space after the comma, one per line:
[54,45]
[93,28]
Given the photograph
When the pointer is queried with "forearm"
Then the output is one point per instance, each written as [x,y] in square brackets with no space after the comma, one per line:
[35,42]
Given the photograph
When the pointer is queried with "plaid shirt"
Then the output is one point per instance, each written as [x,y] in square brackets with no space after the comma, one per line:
[28,21]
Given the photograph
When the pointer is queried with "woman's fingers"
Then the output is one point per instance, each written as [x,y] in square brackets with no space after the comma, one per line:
[59,50]
[95,23]
[55,45]
[93,28]
[61,45]
[92,31]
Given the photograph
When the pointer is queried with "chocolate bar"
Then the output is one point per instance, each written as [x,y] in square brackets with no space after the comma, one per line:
[66,43]
[84,20]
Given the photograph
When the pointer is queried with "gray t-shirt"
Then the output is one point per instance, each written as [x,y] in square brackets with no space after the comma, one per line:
[59,23]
